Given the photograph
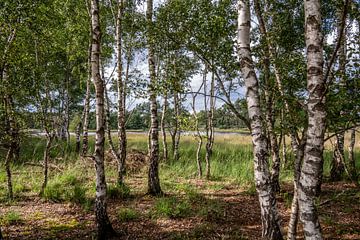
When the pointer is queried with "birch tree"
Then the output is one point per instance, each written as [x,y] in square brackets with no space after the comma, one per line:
[269,215]
[104,227]
[313,154]
[153,174]
[121,96]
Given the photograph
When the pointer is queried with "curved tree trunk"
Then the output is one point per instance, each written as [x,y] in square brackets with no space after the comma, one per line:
[269,215]
[337,164]
[311,170]
[104,227]
[153,174]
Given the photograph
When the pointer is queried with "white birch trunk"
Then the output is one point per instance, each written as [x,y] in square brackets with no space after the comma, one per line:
[104,227]
[269,214]
[153,174]
[313,156]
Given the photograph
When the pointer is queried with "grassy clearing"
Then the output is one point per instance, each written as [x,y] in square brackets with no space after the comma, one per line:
[72,180]
[199,209]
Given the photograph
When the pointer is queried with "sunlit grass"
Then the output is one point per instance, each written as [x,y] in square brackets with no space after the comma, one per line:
[232,161]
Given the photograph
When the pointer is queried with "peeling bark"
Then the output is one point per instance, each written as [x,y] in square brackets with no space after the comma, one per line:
[103,224]
[153,174]
[311,171]
[121,98]
[269,215]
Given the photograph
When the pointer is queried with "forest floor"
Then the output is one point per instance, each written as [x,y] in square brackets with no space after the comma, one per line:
[191,209]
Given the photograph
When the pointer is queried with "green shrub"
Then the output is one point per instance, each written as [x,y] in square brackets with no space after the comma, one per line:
[127,214]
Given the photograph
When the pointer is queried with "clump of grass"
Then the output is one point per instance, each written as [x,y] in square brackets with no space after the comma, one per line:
[287,199]
[65,187]
[127,214]
[171,207]
[121,191]
[11,218]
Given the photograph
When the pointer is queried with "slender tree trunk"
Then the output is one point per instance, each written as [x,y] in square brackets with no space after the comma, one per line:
[8,172]
[311,170]
[1,237]
[153,175]
[49,139]
[198,134]
[67,110]
[176,132]
[86,112]
[104,227]
[121,97]
[12,131]
[210,127]
[294,215]
[163,130]
[352,164]
[78,137]
[269,98]
[108,127]
[269,215]
[338,164]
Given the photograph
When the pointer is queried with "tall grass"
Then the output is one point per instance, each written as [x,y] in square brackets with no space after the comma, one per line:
[232,160]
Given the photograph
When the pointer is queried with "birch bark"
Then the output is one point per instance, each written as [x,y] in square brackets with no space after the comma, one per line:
[313,156]
[153,174]
[121,97]
[269,215]
[104,227]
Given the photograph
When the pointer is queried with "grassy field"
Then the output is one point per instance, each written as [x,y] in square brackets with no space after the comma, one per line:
[223,208]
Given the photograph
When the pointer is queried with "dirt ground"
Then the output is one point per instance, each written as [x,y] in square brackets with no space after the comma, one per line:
[339,208]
